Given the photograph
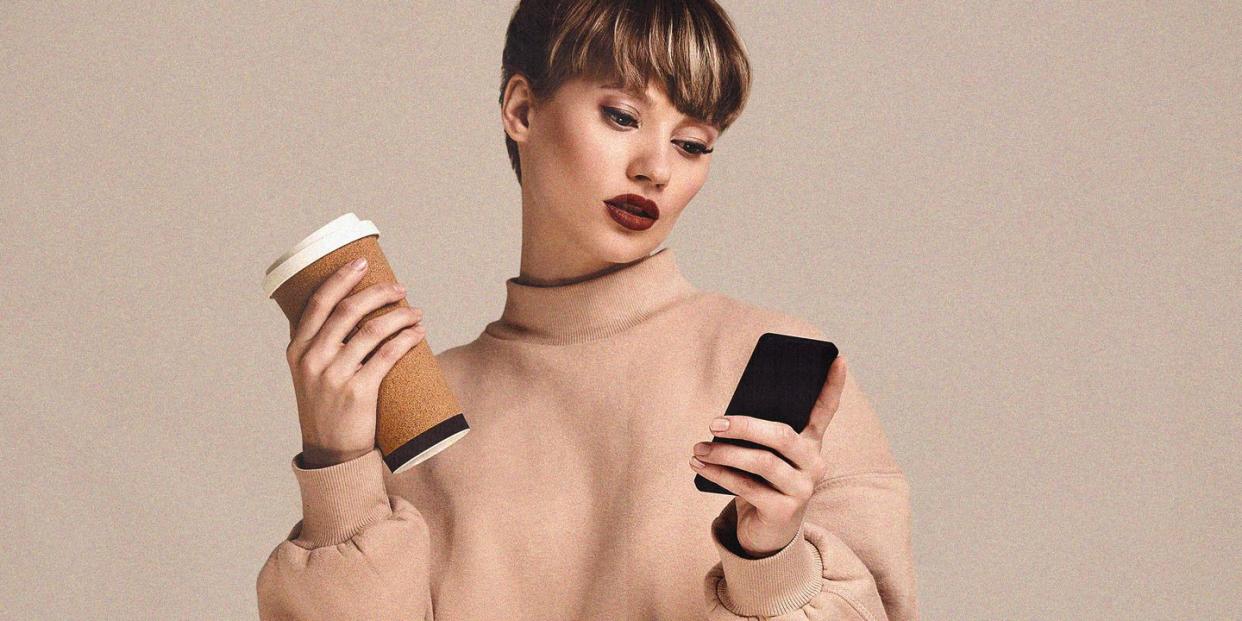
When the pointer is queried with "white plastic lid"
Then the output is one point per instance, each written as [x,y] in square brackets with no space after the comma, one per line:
[343,230]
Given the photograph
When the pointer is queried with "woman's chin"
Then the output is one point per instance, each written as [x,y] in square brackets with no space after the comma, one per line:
[624,248]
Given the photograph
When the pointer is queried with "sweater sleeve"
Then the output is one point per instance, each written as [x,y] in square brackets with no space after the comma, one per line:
[819,576]
[357,553]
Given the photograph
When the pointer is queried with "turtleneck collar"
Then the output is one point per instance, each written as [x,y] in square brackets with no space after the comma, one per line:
[589,309]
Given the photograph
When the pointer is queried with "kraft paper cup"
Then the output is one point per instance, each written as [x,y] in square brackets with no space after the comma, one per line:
[417,415]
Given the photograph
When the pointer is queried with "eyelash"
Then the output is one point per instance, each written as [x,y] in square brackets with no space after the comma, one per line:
[613,113]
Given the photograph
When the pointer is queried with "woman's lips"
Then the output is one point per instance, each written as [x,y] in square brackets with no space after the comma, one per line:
[629,220]
[638,203]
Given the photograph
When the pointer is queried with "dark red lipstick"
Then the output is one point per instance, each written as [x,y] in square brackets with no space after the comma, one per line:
[633,211]
[636,203]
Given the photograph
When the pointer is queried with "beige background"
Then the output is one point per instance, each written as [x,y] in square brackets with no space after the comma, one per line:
[1021,222]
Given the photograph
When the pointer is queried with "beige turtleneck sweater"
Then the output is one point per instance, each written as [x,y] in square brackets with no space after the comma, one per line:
[572,498]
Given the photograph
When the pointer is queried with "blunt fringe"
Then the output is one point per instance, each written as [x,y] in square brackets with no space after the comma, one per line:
[688,46]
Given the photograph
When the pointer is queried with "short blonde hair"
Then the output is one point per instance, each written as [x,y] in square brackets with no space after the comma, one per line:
[688,46]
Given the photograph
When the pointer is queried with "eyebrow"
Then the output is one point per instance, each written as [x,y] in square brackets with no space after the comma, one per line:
[647,100]
[632,91]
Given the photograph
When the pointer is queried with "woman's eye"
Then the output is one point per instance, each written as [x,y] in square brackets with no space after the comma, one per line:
[625,120]
[697,149]
[615,114]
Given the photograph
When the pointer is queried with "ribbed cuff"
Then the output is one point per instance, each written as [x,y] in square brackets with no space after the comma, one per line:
[340,500]
[769,586]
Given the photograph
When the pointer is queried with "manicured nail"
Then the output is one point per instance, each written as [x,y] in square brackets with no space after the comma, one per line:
[720,424]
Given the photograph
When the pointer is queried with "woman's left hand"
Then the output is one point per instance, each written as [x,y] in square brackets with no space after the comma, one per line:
[770,511]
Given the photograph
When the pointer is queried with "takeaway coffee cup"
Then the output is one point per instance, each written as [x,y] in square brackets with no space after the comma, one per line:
[417,415]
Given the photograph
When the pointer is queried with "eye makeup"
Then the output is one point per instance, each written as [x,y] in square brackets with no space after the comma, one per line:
[624,119]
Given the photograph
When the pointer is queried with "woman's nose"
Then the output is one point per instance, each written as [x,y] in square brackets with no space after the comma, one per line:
[652,166]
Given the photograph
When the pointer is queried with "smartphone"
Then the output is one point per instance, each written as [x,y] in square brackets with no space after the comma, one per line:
[781,382]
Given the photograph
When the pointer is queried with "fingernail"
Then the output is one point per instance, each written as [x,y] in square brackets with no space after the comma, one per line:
[720,424]
[359,263]
[700,449]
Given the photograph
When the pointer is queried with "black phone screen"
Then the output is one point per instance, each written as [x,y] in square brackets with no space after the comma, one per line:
[781,382]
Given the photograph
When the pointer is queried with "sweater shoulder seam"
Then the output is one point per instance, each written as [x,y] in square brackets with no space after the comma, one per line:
[870,474]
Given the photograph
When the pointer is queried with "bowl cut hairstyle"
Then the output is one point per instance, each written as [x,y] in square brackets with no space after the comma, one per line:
[688,46]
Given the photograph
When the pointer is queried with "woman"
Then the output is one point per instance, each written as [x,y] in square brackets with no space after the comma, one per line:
[573,496]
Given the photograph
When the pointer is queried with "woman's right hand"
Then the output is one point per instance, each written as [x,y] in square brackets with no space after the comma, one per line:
[336,385]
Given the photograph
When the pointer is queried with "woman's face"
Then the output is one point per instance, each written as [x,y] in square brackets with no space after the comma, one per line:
[587,144]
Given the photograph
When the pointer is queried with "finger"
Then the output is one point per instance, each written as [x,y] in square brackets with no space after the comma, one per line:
[753,489]
[781,476]
[775,435]
[377,367]
[828,401]
[325,298]
[351,312]
[375,331]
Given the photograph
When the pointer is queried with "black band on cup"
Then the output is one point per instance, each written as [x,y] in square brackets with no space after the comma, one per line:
[431,437]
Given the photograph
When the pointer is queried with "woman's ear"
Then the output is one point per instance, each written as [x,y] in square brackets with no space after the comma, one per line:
[516,111]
